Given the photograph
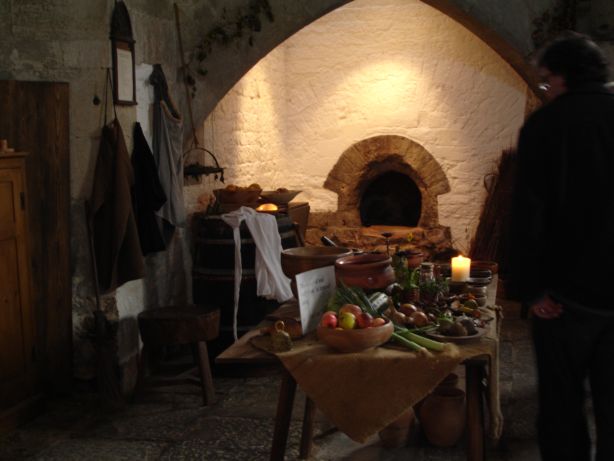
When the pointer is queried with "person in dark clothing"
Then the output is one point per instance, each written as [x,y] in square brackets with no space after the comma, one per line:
[562,232]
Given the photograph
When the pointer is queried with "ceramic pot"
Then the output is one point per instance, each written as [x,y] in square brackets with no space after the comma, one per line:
[449,382]
[396,434]
[442,416]
[414,258]
[368,271]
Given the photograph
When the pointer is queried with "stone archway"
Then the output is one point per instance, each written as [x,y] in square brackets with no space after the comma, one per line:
[491,21]
[369,158]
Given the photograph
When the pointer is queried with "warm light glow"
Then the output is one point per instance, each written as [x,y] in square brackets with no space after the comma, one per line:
[372,68]
[384,86]
[267,207]
[461,267]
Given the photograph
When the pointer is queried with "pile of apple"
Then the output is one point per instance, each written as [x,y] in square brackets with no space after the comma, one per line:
[350,317]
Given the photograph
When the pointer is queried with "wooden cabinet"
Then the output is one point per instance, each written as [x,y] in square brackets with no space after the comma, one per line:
[18,393]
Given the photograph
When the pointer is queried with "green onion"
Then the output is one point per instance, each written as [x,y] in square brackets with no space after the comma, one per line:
[407,343]
[423,341]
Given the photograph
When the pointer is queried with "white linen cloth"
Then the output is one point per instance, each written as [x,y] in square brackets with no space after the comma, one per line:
[270,280]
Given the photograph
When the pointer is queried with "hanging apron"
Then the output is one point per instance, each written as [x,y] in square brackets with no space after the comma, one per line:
[168,153]
[115,236]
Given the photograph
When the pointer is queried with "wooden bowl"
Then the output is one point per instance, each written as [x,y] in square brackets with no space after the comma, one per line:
[369,271]
[241,196]
[279,198]
[355,340]
[302,259]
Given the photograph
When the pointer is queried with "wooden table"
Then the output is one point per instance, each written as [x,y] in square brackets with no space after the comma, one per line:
[244,354]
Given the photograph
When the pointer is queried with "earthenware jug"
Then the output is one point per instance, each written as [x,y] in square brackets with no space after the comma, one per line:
[442,416]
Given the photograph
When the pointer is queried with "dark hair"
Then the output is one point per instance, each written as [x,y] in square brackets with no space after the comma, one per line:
[575,57]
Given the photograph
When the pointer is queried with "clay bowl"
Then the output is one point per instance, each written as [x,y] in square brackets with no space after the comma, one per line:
[277,197]
[355,340]
[413,256]
[368,271]
[302,259]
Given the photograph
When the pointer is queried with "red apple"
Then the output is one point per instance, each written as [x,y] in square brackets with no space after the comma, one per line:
[364,320]
[347,320]
[352,308]
[328,319]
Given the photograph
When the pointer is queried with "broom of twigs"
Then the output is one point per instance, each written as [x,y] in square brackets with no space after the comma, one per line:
[104,339]
[491,236]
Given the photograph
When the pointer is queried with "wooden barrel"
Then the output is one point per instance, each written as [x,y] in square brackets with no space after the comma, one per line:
[214,269]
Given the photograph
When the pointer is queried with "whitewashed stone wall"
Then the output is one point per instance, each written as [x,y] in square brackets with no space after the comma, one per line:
[247,131]
[372,68]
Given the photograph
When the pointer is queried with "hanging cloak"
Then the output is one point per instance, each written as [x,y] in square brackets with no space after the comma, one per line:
[147,194]
[114,231]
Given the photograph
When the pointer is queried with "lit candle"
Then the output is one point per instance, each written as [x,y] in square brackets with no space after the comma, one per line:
[460,268]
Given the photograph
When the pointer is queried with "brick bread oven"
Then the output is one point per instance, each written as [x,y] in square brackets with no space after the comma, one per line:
[363,165]
[375,90]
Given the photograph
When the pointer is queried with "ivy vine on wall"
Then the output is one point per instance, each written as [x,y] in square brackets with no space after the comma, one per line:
[230,28]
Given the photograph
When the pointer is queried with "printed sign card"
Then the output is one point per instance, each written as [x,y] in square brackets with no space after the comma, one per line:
[315,287]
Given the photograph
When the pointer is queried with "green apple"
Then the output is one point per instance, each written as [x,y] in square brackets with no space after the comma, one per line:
[347,320]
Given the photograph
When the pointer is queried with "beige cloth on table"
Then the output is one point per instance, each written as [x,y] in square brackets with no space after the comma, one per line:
[361,393]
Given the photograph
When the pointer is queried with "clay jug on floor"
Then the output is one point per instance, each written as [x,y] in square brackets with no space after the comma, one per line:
[396,434]
[442,416]
[449,381]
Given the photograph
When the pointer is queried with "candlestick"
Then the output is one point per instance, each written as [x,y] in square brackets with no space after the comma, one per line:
[460,268]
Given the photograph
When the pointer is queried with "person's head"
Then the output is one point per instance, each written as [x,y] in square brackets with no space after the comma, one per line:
[570,61]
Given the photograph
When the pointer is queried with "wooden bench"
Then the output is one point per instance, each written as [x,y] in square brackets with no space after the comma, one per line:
[175,325]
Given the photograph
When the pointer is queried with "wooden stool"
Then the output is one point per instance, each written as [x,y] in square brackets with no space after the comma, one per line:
[188,324]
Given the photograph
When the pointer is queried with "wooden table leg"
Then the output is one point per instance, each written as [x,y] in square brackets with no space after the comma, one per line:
[475,418]
[307,434]
[285,402]
[206,377]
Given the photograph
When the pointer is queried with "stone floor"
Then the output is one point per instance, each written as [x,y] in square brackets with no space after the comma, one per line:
[170,423]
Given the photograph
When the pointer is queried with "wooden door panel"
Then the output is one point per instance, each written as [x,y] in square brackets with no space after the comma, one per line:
[12,356]
[35,120]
